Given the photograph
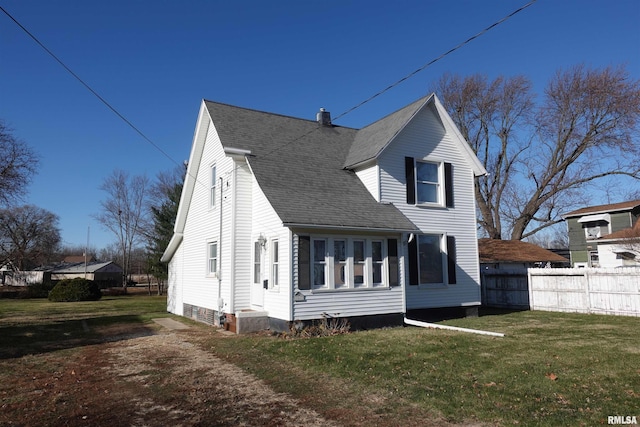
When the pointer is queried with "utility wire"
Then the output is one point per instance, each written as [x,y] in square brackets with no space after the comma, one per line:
[86,85]
[433,61]
[391,86]
[408,76]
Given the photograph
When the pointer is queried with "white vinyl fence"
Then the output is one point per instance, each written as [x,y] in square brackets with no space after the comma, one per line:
[585,290]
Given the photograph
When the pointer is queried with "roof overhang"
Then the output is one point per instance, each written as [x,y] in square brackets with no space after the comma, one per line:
[348,228]
[597,217]
[172,247]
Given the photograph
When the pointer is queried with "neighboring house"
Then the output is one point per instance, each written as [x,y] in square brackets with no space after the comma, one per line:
[284,219]
[620,248]
[512,254]
[105,274]
[72,259]
[504,268]
[592,226]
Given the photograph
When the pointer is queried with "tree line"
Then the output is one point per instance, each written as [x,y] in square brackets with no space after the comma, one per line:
[544,157]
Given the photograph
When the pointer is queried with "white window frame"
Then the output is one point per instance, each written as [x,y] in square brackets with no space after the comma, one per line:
[212,272]
[330,264]
[257,262]
[440,199]
[275,265]
[214,185]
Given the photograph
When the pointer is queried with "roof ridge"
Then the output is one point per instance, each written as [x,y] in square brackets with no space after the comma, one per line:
[255,110]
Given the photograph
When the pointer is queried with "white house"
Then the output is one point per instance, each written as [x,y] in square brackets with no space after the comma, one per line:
[284,219]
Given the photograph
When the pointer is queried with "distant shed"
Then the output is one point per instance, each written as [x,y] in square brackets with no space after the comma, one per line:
[503,270]
[105,274]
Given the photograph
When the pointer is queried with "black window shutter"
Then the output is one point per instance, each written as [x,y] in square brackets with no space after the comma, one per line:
[304,260]
[448,184]
[409,167]
[413,261]
[451,259]
[392,255]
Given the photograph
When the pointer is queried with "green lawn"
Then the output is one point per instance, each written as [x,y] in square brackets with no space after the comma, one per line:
[29,326]
[550,369]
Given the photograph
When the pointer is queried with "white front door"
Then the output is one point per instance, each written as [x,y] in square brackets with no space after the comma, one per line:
[257,288]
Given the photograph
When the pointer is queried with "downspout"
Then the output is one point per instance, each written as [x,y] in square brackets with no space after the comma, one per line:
[451,328]
[221,316]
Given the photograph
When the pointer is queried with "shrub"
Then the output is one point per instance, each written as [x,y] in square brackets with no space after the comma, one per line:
[38,290]
[77,289]
[326,327]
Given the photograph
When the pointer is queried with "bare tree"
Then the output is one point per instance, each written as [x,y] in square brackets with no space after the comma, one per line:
[19,163]
[29,236]
[123,213]
[163,207]
[542,157]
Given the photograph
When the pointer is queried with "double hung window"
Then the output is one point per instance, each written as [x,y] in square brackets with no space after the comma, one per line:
[429,183]
[275,262]
[432,259]
[212,258]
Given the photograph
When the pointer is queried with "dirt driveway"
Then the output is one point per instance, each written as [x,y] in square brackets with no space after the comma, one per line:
[152,378]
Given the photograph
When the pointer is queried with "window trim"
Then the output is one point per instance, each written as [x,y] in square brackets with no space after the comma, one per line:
[330,264]
[214,273]
[274,276]
[257,263]
[439,184]
[448,259]
[444,190]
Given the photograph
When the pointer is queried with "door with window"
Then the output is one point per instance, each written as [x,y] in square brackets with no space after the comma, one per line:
[257,286]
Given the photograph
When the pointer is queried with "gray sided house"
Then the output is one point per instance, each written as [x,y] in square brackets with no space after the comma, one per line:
[284,219]
[105,274]
[589,228]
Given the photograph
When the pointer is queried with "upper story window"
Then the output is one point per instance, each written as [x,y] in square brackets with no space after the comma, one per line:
[212,196]
[429,182]
[335,263]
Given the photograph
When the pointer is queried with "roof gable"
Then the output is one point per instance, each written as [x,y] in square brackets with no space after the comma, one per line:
[371,140]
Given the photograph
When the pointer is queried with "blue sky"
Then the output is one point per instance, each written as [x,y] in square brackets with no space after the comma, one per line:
[154,61]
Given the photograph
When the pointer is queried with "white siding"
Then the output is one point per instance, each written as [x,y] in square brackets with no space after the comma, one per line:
[349,303]
[175,283]
[315,304]
[242,241]
[203,225]
[426,138]
[277,301]
[369,176]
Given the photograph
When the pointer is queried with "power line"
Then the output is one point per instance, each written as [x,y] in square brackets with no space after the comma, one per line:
[86,85]
[391,86]
[433,61]
[408,76]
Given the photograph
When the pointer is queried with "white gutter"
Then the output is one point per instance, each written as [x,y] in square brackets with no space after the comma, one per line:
[451,328]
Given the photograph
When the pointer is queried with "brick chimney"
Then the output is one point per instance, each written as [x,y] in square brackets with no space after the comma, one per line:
[323,117]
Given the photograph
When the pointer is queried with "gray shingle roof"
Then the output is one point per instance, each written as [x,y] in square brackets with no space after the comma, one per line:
[299,167]
[372,139]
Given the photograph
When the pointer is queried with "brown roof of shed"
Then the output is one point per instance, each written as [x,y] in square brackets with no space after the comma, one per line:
[613,207]
[493,250]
